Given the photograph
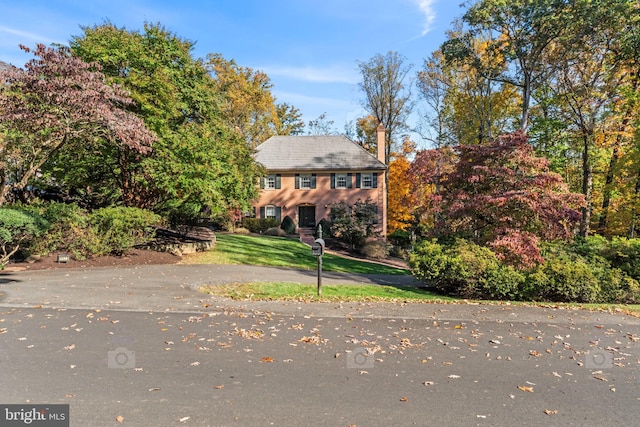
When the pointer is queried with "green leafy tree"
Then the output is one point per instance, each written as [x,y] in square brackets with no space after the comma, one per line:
[198,158]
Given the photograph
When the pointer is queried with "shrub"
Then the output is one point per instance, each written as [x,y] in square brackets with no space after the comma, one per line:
[122,228]
[326,228]
[565,277]
[241,230]
[377,249]
[17,228]
[353,224]
[288,225]
[576,273]
[259,225]
[275,231]
[69,230]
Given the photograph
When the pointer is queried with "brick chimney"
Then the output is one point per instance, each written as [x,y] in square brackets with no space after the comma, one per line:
[381,143]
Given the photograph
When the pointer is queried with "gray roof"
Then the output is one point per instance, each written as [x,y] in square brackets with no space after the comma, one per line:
[331,152]
[5,66]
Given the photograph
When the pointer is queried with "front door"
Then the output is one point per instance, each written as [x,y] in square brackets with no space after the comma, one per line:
[307,215]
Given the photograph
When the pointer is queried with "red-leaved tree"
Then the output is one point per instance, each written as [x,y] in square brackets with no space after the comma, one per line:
[502,195]
[57,100]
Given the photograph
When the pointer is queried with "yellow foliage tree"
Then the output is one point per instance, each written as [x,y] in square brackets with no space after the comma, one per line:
[399,205]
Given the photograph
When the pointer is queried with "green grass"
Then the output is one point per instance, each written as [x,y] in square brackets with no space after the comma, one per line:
[283,291]
[280,252]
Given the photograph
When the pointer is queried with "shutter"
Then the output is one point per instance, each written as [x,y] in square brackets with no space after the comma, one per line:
[279,214]
[262,179]
[349,180]
[261,211]
[313,180]
[333,180]
[278,181]
[254,212]
[375,210]
[297,180]
[375,180]
[358,180]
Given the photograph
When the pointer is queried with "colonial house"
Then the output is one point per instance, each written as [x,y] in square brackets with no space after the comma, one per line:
[306,174]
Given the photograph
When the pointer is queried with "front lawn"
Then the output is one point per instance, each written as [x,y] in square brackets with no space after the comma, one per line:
[280,252]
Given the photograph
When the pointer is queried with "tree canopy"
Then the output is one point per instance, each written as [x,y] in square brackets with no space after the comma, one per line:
[61,102]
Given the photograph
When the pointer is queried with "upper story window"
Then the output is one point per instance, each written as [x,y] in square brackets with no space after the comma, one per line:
[306,181]
[367,180]
[341,180]
[271,182]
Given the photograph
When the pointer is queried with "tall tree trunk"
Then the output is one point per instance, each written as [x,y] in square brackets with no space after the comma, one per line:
[587,186]
[634,208]
[608,186]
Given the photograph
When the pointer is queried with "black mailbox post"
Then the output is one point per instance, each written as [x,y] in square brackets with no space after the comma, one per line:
[317,249]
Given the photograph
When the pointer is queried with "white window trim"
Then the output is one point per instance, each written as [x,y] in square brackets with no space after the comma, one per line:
[270,182]
[344,177]
[363,180]
[270,211]
[305,182]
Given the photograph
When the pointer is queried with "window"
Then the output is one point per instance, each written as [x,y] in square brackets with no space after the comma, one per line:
[341,180]
[270,212]
[306,181]
[367,180]
[272,182]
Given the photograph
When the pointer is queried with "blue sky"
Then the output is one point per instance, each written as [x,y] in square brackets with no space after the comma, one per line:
[309,48]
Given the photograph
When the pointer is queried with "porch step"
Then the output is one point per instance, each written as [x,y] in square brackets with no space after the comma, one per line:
[306,235]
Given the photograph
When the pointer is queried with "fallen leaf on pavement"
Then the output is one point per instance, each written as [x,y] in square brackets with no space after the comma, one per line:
[525,388]
[404,399]
[218,387]
[550,412]
[120,419]
[267,359]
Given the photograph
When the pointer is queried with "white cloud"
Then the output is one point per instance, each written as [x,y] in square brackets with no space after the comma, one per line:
[25,35]
[332,74]
[426,7]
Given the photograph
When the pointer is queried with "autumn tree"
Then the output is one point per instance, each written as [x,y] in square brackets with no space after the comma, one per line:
[60,102]
[503,196]
[247,103]
[364,132]
[400,204]
[289,120]
[387,94]
[524,32]
[425,174]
